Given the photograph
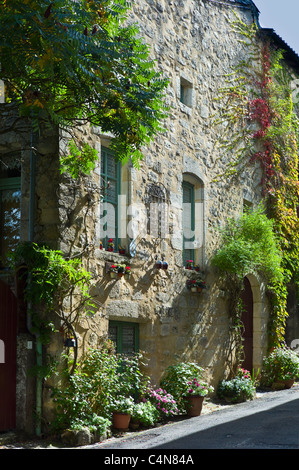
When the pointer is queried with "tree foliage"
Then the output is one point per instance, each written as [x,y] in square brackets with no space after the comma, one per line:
[75,62]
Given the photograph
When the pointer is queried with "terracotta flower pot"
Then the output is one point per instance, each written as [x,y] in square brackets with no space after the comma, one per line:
[194,405]
[289,383]
[121,421]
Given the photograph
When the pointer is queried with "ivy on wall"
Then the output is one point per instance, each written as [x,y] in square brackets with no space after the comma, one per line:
[55,288]
[262,126]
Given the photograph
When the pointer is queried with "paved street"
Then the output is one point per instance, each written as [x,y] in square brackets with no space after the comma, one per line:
[271,421]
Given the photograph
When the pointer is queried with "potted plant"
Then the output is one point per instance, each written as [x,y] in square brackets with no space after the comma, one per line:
[196,267]
[110,246]
[159,264]
[113,271]
[191,284]
[189,264]
[165,265]
[101,245]
[121,268]
[122,408]
[238,389]
[127,271]
[177,378]
[280,368]
[200,284]
[121,250]
[196,391]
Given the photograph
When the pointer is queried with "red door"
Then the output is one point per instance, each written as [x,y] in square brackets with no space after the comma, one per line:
[8,341]
[247,320]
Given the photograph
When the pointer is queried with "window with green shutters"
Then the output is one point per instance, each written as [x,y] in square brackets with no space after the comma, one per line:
[110,173]
[125,336]
[188,221]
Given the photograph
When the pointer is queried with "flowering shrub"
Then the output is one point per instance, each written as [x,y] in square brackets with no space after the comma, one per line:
[176,378]
[122,405]
[238,389]
[101,378]
[281,364]
[164,402]
[198,388]
[146,413]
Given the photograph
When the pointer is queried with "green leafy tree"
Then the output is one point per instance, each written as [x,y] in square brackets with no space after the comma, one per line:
[76,62]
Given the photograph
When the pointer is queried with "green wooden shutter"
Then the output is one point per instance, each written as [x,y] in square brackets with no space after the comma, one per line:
[188,220]
[110,173]
[125,336]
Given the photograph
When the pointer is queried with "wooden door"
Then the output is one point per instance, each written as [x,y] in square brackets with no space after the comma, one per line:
[247,320]
[8,343]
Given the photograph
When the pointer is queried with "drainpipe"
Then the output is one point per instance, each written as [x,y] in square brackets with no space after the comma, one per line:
[29,319]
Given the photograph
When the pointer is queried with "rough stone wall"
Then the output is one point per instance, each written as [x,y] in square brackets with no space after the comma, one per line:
[193,45]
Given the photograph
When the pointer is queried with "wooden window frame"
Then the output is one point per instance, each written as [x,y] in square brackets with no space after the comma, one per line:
[107,153]
[119,342]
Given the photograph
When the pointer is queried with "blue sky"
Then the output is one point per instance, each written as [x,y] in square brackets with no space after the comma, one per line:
[283,17]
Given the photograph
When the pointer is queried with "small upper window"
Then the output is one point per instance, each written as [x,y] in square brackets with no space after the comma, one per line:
[186,92]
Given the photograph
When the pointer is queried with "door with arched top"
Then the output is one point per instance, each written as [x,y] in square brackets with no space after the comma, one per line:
[247,320]
[8,353]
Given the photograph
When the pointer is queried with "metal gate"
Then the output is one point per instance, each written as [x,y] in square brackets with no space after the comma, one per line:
[8,342]
[247,320]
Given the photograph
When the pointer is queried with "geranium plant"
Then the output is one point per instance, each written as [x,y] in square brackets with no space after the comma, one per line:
[198,388]
[110,246]
[189,264]
[200,283]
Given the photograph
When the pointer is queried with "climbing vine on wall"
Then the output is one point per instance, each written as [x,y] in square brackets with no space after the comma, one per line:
[262,127]
[56,287]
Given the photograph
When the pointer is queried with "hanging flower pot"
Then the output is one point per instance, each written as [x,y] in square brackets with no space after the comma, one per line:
[159,264]
[110,246]
[193,289]
[113,275]
[189,264]
[164,265]
[121,421]
[199,289]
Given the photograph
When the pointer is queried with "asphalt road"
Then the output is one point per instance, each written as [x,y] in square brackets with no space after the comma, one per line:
[268,422]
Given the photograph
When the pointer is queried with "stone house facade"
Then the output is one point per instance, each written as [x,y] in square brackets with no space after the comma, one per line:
[169,210]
